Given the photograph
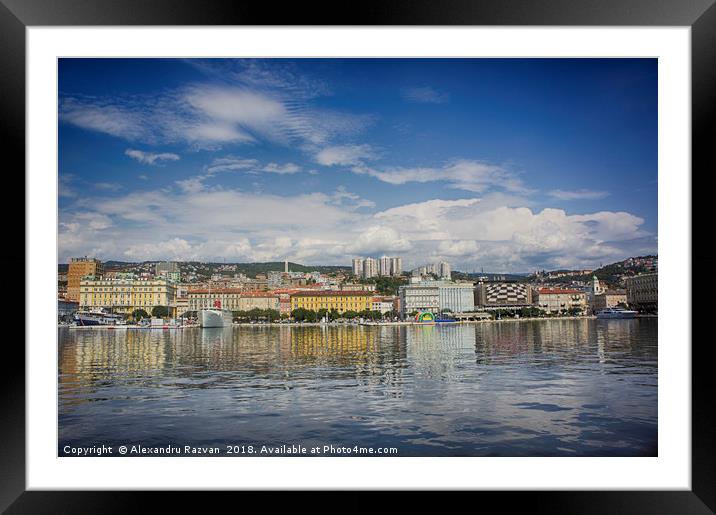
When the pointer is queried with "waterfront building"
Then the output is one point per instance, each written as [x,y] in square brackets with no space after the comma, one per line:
[382,304]
[168,269]
[204,298]
[396,266]
[341,301]
[258,300]
[456,297]
[79,268]
[370,268]
[182,301]
[555,300]
[358,267]
[608,299]
[284,303]
[643,292]
[126,293]
[503,295]
[418,297]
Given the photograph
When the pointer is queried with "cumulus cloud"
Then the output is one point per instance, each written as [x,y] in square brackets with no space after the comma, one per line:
[378,239]
[196,222]
[515,237]
[150,158]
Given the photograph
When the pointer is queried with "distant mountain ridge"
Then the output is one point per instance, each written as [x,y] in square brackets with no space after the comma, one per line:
[228,269]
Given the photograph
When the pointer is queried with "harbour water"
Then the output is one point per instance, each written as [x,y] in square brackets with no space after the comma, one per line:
[534,388]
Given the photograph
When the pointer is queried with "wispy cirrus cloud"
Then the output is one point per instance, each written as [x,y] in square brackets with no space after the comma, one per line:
[150,158]
[237,164]
[464,174]
[578,194]
[209,115]
[103,115]
[425,95]
[345,155]
[283,78]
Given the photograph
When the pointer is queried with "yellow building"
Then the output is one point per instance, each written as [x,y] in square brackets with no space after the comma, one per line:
[555,300]
[79,268]
[341,301]
[126,293]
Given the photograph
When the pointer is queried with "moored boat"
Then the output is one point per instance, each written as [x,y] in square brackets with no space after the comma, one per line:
[616,313]
[89,318]
[216,316]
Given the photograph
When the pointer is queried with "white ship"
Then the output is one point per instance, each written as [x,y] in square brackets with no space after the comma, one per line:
[616,313]
[215,317]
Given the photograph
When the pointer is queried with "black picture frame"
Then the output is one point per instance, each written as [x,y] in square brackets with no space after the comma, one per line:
[700,15]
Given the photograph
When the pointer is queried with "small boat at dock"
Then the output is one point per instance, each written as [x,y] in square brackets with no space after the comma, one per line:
[610,313]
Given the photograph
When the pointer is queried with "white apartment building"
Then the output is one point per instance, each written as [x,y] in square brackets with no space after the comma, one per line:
[384,266]
[396,266]
[370,268]
[358,267]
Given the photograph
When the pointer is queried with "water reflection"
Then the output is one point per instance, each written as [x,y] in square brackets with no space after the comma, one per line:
[556,387]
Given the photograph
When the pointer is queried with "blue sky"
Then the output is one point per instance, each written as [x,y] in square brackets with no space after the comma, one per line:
[503,164]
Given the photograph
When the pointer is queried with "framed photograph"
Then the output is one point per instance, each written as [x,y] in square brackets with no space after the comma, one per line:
[416,250]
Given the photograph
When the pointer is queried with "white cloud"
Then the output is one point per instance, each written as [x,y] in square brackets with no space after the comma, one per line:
[378,239]
[480,232]
[287,168]
[197,222]
[425,95]
[277,76]
[102,116]
[578,194]
[192,184]
[207,116]
[464,174]
[345,155]
[150,158]
[231,164]
[457,248]
[345,197]
[64,186]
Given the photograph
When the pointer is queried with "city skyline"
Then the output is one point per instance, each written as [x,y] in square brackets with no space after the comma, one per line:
[510,165]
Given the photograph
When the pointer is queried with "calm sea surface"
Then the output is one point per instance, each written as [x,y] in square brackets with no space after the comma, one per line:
[544,388]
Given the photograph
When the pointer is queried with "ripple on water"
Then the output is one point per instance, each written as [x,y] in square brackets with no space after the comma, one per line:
[545,388]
